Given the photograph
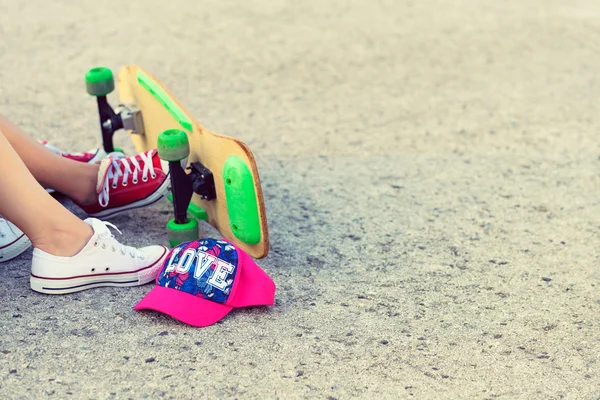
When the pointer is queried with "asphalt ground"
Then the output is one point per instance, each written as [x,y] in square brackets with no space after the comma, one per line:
[430,171]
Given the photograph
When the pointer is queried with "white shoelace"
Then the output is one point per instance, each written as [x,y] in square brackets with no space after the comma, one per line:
[107,240]
[131,166]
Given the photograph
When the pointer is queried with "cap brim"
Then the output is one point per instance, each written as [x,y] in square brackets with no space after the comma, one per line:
[189,309]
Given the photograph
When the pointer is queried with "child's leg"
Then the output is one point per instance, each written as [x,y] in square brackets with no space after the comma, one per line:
[50,226]
[118,184]
[70,254]
[74,179]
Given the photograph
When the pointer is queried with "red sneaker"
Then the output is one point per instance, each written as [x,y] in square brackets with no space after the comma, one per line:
[91,156]
[129,182]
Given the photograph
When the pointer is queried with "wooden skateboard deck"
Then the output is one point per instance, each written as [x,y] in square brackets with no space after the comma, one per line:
[244,226]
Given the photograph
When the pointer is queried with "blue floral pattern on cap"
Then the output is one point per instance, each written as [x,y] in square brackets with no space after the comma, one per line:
[205,268]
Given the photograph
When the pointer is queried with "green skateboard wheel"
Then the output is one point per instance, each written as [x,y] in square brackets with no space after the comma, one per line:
[179,233]
[99,81]
[173,145]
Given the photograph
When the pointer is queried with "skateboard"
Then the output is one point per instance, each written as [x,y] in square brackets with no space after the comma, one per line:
[214,178]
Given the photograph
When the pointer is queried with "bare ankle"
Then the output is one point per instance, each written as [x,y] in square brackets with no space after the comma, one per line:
[87,191]
[87,198]
[64,240]
[80,185]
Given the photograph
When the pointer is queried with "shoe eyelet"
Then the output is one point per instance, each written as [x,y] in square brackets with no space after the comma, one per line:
[145,179]
[113,248]
[115,186]
[95,244]
[135,181]
[107,269]
[93,269]
[123,252]
[104,246]
[153,176]
[124,183]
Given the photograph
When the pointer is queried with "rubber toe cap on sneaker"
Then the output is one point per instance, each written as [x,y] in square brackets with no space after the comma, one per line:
[155,255]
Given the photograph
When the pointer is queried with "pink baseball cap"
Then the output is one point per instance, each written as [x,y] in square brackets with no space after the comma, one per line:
[201,281]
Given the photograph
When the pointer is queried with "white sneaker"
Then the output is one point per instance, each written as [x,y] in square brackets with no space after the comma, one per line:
[102,262]
[12,241]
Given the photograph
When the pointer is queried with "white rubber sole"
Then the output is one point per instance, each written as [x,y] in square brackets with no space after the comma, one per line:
[78,283]
[14,249]
[155,197]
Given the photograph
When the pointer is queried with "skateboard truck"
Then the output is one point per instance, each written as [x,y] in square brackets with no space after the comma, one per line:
[202,181]
[173,146]
[100,82]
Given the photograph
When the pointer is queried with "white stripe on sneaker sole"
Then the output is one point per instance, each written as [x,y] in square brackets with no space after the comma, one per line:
[78,283]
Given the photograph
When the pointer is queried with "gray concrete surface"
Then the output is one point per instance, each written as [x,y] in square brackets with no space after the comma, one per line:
[431,172]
